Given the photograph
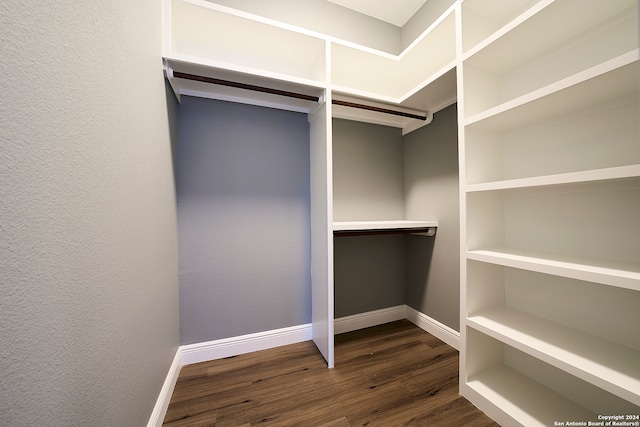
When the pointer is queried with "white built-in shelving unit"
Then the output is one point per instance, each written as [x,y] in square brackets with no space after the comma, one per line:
[222,53]
[549,146]
[550,195]
[207,39]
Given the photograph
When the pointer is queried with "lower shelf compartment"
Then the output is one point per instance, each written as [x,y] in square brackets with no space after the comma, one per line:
[606,364]
[525,401]
[516,388]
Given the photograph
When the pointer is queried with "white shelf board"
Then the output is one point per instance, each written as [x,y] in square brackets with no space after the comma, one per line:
[613,79]
[620,274]
[524,400]
[181,61]
[384,119]
[382,225]
[207,90]
[436,92]
[433,93]
[606,174]
[608,365]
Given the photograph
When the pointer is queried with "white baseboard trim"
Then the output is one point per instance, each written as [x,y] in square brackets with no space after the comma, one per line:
[368,319]
[160,408]
[435,328]
[218,349]
[391,314]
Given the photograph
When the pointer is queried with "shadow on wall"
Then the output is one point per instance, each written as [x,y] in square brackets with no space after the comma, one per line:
[172,119]
[243,219]
[369,273]
[419,256]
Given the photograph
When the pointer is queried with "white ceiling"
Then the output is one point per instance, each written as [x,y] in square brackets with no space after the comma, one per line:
[396,12]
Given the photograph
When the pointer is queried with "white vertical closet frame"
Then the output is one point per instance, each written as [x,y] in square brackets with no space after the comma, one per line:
[322,311]
[461,191]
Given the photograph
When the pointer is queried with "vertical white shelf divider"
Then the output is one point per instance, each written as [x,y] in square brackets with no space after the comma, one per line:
[322,311]
[460,48]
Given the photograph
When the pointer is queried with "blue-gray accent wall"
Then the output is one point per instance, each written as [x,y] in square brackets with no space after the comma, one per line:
[243,219]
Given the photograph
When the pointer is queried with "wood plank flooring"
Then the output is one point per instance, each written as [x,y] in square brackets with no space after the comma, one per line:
[390,375]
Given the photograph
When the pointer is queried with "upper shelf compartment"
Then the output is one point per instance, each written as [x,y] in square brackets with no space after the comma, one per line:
[204,33]
[482,18]
[358,71]
[411,114]
[591,125]
[546,47]
[206,45]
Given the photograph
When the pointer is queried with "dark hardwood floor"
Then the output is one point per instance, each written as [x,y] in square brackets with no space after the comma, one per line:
[389,375]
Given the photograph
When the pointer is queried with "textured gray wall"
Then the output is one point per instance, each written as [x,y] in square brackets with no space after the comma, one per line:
[88,242]
[431,186]
[243,215]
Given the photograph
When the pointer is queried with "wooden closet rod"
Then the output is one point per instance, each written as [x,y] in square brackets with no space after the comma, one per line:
[377,109]
[255,88]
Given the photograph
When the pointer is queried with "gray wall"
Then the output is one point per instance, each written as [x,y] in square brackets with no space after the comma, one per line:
[431,187]
[88,242]
[368,182]
[243,219]
[369,273]
[379,174]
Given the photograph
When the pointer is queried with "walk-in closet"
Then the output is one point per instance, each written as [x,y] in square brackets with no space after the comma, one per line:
[480,177]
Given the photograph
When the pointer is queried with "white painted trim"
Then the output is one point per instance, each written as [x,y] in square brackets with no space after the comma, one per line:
[435,328]
[218,349]
[391,314]
[369,319]
[160,408]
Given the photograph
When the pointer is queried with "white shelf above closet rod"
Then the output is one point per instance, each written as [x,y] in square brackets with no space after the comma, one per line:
[351,228]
